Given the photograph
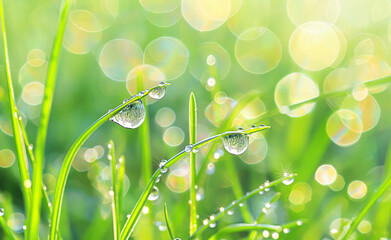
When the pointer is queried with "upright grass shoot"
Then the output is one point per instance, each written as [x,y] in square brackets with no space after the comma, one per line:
[114,190]
[192,156]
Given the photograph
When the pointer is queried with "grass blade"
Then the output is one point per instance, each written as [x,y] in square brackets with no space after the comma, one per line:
[168,223]
[253,234]
[378,194]
[193,173]
[238,201]
[44,122]
[135,214]
[22,161]
[145,137]
[6,229]
[113,191]
[120,187]
[66,166]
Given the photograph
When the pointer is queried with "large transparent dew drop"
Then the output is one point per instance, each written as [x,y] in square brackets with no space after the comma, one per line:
[236,143]
[131,116]
[158,92]
[154,194]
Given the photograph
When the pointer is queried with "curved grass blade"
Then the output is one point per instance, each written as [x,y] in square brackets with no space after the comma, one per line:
[8,232]
[22,161]
[66,166]
[192,156]
[44,122]
[241,227]
[135,214]
[253,234]
[237,202]
[113,191]
[378,194]
[168,223]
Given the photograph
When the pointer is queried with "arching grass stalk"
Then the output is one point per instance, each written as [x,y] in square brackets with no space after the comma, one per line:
[66,166]
[378,194]
[7,230]
[44,122]
[22,161]
[264,187]
[114,190]
[253,234]
[244,227]
[168,223]
[135,214]
[192,157]
[29,149]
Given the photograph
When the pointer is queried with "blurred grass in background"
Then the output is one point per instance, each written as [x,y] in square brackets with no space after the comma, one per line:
[289,51]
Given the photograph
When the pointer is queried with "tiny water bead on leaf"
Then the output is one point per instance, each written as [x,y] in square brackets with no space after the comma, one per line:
[131,116]
[235,143]
[158,92]
[162,166]
[1,212]
[154,194]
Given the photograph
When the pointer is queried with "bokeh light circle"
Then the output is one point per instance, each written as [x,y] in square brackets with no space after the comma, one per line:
[168,54]
[303,11]
[339,227]
[164,19]
[295,88]
[29,73]
[118,57]
[314,46]
[7,158]
[105,11]
[254,109]
[367,109]
[173,136]
[258,50]
[151,76]
[32,93]
[199,66]
[364,226]
[253,13]
[357,189]
[344,127]
[165,117]
[216,112]
[177,184]
[337,80]
[205,15]
[326,174]
[36,57]
[160,6]
[256,151]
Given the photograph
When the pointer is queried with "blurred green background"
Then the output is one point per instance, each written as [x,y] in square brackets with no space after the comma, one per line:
[282,52]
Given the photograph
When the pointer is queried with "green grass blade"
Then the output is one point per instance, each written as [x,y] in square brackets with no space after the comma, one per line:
[145,137]
[378,194]
[66,166]
[113,191]
[22,161]
[192,156]
[6,229]
[238,201]
[253,234]
[44,122]
[168,223]
[120,187]
[135,214]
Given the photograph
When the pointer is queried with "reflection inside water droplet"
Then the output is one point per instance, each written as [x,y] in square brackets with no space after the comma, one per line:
[131,116]
[235,143]
[154,194]
[158,92]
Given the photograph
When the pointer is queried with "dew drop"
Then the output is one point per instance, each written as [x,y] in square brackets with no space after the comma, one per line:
[265,233]
[24,227]
[235,143]
[210,169]
[131,116]
[221,209]
[154,194]
[286,230]
[230,212]
[1,212]
[162,166]
[212,225]
[275,235]
[288,181]
[158,92]
[196,150]
[240,129]
[177,239]
[31,147]
[241,204]
[268,205]
[253,126]
[188,148]
[212,217]
[205,221]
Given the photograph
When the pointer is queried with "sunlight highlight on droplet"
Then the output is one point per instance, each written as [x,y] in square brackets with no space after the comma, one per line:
[258,50]
[295,88]
[314,46]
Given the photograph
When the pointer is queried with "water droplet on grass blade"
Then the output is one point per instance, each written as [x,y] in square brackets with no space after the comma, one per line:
[212,225]
[131,116]
[1,212]
[188,148]
[162,166]
[158,92]
[230,212]
[235,143]
[154,194]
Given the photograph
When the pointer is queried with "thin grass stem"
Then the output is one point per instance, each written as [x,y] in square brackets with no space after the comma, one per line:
[192,156]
